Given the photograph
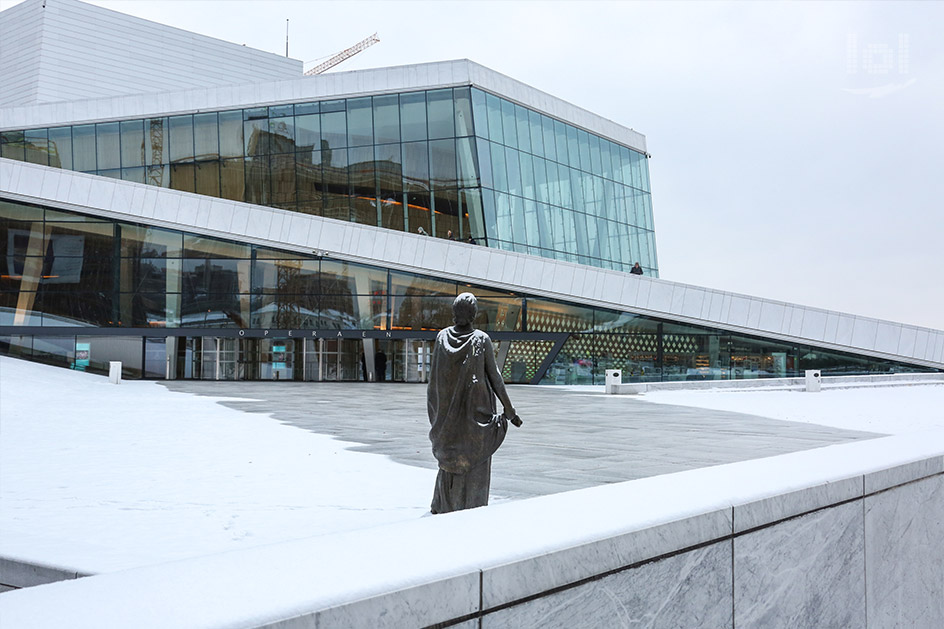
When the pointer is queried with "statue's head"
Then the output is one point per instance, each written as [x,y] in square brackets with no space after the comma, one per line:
[464,309]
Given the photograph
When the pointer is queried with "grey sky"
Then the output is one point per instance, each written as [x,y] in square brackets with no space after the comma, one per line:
[797,147]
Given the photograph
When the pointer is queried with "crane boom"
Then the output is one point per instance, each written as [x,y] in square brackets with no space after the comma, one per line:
[344,54]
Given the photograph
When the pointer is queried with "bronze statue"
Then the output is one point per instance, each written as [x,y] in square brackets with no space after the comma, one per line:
[466,430]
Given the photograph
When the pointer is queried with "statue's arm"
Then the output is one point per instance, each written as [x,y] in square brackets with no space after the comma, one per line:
[495,380]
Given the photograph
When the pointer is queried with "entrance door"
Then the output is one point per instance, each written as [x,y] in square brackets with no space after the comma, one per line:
[411,360]
[341,360]
[276,359]
[212,358]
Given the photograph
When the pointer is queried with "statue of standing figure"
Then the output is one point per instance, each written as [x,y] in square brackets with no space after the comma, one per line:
[466,429]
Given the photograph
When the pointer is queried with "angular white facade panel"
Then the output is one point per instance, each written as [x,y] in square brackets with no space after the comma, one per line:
[660,297]
[864,332]
[887,337]
[771,316]
[88,51]
[739,310]
[920,349]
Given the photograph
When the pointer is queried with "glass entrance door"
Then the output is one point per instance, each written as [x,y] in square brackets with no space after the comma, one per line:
[213,358]
[336,360]
[276,359]
[411,360]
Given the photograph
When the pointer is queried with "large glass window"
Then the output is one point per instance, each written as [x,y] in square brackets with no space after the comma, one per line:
[60,147]
[413,116]
[83,148]
[181,139]
[132,143]
[66,270]
[360,126]
[386,119]
[256,131]
[36,146]
[441,114]
[107,146]
[206,136]
[363,159]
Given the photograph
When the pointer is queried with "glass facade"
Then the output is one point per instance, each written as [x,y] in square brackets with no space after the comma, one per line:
[558,191]
[453,162]
[79,291]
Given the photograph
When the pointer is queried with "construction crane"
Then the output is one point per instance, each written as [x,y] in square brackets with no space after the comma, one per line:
[344,54]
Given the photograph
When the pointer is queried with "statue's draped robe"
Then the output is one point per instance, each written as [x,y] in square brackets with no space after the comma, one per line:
[465,429]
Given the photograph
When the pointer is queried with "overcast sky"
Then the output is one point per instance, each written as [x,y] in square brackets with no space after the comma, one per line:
[797,148]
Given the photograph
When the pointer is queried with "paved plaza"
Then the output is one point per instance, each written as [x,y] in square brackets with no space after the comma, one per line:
[570,439]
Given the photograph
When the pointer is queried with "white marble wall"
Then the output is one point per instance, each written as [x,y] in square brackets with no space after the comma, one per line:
[74,50]
[876,561]
[804,572]
[691,589]
[904,536]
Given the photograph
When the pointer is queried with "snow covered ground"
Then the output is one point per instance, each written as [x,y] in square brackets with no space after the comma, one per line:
[100,477]
[97,477]
[892,410]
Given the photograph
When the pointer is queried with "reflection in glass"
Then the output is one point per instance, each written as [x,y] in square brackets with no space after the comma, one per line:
[83,147]
[232,179]
[231,134]
[76,308]
[256,135]
[182,177]
[206,136]
[36,146]
[413,116]
[309,182]
[156,144]
[363,188]
[132,143]
[532,157]
[108,145]
[60,147]
[334,129]
[442,161]
[282,135]
[283,180]
[337,198]
[360,129]
[550,316]
[441,114]
[149,242]
[12,145]
[386,119]
[200,310]
[207,178]
[462,99]
[286,276]
[181,140]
